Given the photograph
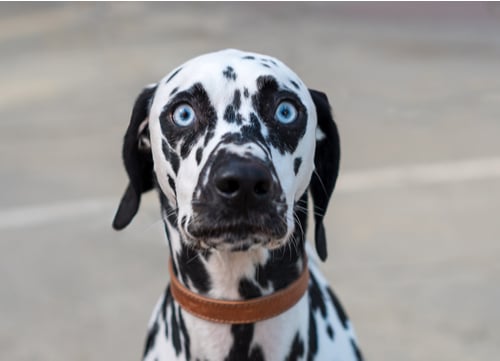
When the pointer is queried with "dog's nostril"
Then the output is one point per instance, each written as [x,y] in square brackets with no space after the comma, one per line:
[261,188]
[228,186]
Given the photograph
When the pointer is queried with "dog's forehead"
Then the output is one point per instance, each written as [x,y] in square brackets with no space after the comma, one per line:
[233,68]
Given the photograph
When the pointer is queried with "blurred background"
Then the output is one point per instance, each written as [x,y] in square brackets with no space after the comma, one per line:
[413,225]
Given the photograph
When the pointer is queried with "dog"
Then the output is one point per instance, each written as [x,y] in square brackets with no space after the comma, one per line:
[234,142]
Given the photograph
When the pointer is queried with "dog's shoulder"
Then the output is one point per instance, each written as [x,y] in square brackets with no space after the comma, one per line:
[329,324]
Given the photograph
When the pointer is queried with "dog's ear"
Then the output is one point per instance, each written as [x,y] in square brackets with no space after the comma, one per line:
[326,162]
[137,158]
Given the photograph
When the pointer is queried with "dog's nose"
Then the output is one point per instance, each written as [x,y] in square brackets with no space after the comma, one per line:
[243,183]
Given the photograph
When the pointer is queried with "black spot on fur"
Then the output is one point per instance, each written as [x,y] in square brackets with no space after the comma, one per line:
[266,60]
[166,301]
[266,84]
[228,138]
[186,149]
[296,350]
[248,57]
[284,137]
[295,84]
[173,74]
[316,297]
[192,268]
[237,100]
[199,155]
[171,157]
[338,306]
[356,350]
[171,183]
[175,90]
[176,335]
[253,131]
[282,271]
[254,121]
[329,331]
[185,336]
[246,93]
[151,337]
[175,162]
[248,289]
[265,65]
[229,73]
[296,164]
[313,337]
[230,114]
[208,136]
[242,339]
[256,354]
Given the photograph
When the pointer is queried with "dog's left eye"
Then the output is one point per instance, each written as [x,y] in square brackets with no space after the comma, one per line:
[285,112]
[183,115]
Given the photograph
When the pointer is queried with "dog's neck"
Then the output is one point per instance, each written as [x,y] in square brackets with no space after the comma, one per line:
[235,275]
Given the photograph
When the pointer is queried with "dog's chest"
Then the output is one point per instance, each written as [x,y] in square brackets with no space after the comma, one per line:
[316,328]
[265,340]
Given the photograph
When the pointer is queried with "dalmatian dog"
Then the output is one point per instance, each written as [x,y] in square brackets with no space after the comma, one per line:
[235,143]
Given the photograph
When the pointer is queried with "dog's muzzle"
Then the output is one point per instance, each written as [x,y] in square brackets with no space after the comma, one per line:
[241,203]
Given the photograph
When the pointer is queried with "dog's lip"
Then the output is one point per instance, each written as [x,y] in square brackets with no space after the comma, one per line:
[240,230]
[234,246]
[241,235]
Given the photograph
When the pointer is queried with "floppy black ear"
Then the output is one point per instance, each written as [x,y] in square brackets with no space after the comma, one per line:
[326,162]
[137,158]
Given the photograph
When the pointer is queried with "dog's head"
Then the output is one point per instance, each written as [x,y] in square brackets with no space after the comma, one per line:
[234,140]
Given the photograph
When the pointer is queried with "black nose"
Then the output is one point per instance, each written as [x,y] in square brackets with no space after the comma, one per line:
[243,182]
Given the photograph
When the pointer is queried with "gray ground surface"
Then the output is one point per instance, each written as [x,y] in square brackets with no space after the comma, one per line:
[414,258]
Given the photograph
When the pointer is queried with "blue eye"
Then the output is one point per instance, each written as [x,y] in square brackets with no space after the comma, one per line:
[183,115]
[286,113]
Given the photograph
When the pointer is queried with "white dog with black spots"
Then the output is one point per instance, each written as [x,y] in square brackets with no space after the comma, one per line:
[234,142]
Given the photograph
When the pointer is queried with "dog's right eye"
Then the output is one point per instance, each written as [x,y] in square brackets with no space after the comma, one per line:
[183,115]
[286,112]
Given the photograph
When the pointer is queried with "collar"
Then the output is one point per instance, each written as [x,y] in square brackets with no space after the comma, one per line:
[239,312]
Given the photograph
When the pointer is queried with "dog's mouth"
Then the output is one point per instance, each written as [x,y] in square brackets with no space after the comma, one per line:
[236,236]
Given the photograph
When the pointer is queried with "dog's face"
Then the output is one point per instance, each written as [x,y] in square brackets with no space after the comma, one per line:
[232,137]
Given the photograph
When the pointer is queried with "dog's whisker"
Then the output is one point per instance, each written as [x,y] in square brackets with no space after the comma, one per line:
[297,219]
[320,181]
[197,255]
[305,210]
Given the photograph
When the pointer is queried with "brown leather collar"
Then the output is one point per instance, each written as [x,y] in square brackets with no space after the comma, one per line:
[238,312]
